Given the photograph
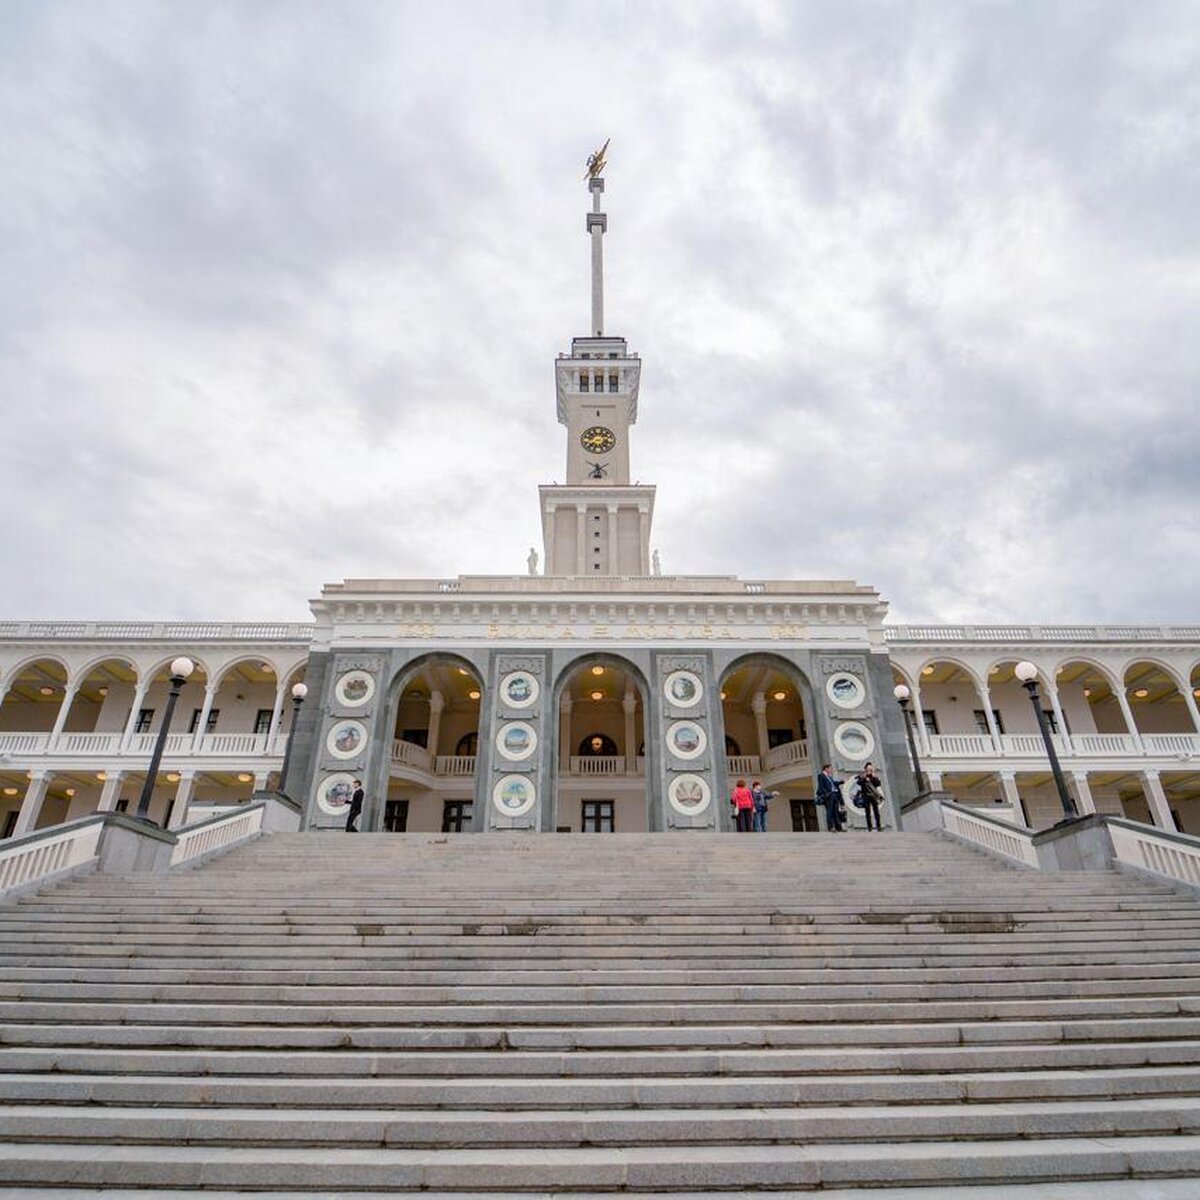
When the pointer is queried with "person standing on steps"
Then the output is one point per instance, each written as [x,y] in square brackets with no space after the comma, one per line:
[829,793]
[356,803]
[761,805]
[870,791]
[743,807]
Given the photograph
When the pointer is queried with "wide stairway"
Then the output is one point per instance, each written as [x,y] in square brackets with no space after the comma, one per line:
[370,1015]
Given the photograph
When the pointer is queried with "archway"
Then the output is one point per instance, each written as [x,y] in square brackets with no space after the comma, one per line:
[763,703]
[433,754]
[1160,712]
[600,779]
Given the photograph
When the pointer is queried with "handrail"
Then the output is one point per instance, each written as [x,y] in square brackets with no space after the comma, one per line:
[1146,848]
[217,832]
[1013,842]
[46,852]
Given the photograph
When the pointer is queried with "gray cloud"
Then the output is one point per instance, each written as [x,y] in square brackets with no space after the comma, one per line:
[916,289]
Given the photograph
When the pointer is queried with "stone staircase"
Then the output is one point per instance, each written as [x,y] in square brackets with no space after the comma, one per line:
[369,1015]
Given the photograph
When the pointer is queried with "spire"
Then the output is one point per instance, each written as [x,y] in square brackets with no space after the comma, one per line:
[597,224]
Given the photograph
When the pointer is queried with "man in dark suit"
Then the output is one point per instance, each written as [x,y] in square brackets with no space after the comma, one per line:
[356,803]
[829,793]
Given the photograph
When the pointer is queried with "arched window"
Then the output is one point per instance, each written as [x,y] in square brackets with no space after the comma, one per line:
[597,745]
[732,749]
[468,745]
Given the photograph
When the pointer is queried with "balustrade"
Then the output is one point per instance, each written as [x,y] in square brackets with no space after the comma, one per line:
[456,765]
[961,745]
[409,754]
[599,764]
[742,764]
[788,753]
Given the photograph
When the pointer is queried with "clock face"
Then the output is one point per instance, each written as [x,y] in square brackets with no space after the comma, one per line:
[598,439]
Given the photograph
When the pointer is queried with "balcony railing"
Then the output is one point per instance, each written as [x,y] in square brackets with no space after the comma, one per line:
[411,755]
[1185,744]
[457,765]
[1097,745]
[961,745]
[598,764]
[742,764]
[785,755]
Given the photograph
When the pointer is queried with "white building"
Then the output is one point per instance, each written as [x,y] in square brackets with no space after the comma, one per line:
[597,695]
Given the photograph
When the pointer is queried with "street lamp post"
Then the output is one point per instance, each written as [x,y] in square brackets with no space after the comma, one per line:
[181,668]
[1026,672]
[299,691]
[902,695]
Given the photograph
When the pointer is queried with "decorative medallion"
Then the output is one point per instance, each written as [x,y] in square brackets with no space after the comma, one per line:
[689,795]
[516,741]
[683,689]
[333,794]
[686,739]
[520,689]
[346,739]
[845,690]
[854,740]
[514,795]
[354,688]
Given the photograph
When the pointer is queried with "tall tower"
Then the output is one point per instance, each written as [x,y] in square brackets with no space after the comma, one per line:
[597,523]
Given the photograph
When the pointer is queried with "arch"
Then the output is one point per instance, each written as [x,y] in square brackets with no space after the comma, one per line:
[161,669]
[1104,670]
[1170,670]
[32,699]
[222,671]
[99,661]
[1155,695]
[971,672]
[467,746]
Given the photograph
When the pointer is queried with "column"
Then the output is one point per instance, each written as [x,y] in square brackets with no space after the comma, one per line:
[139,695]
[1063,736]
[580,539]
[565,733]
[1188,699]
[1083,793]
[934,779]
[31,805]
[597,222]
[183,797]
[277,713]
[437,702]
[614,559]
[1127,713]
[64,711]
[1008,784]
[758,706]
[111,791]
[919,715]
[1156,797]
[644,538]
[629,704]
[261,779]
[989,717]
[210,693]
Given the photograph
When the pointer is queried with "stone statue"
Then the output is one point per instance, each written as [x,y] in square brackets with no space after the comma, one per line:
[655,564]
[532,560]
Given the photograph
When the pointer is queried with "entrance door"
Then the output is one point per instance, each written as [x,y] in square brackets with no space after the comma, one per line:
[804,815]
[395,816]
[597,816]
[455,815]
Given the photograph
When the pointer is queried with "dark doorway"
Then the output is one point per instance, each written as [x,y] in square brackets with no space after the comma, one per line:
[395,816]
[597,816]
[804,815]
[597,745]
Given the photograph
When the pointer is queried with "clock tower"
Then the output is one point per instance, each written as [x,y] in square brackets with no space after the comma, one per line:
[597,523]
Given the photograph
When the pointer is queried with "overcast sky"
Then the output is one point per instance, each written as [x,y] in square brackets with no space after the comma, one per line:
[916,288]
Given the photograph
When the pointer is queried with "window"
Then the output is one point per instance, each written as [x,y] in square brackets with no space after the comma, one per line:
[167,819]
[595,566]
[981,724]
[467,745]
[418,737]
[262,720]
[145,717]
[583,381]
[456,815]
[395,816]
[123,805]
[614,383]
[779,737]
[596,816]
[598,382]
[732,749]
[210,725]
[1051,719]
[931,722]
[10,823]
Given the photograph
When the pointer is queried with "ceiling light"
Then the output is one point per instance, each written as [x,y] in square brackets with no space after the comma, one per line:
[926,670]
[597,695]
[103,691]
[100,775]
[266,668]
[1196,693]
[779,695]
[597,670]
[69,791]
[1142,693]
[463,671]
[1087,691]
[244,778]
[10,791]
[46,690]
[172,777]
[473,694]
[722,695]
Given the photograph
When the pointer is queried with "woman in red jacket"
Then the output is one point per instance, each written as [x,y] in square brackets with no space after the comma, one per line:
[743,804]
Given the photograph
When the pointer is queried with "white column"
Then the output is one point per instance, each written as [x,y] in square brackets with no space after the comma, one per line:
[277,713]
[183,797]
[919,714]
[210,693]
[596,223]
[565,733]
[580,539]
[758,706]
[934,779]
[629,704]
[644,538]
[1083,792]
[111,791]
[1188,699]
[1156,797]
[64,711]
[1127,713]
[1008,784]
[437,702]
[261,779]
[31,805]
[139,694]
[988,716]
[1063,736]
[614,561]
